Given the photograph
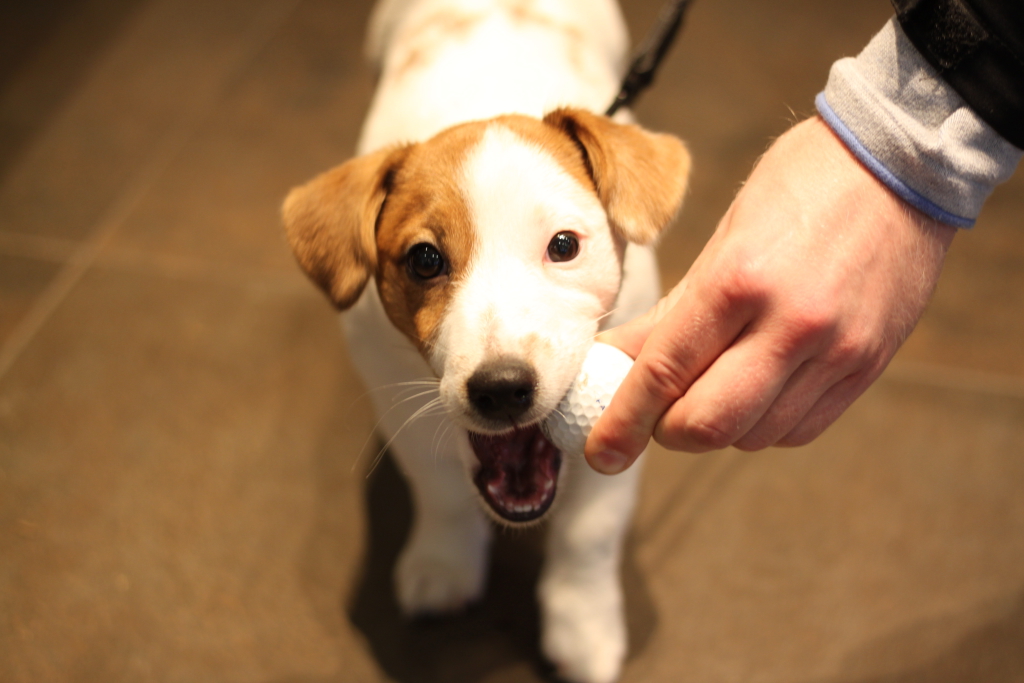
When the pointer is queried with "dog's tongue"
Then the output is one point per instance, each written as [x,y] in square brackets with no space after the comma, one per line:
[518,472]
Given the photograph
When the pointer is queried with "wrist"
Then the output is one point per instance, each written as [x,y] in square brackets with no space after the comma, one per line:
[830,177]
[913,131]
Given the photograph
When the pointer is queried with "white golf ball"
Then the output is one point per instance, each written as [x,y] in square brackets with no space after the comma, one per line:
[603,370]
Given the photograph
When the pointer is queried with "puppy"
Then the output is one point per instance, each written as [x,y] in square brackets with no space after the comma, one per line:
[490,227]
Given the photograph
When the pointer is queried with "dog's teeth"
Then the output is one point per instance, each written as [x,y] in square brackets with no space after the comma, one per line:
[493,489]
[548,484]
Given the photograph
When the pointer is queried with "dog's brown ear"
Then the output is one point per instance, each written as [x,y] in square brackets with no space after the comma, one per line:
[330,222]
[640,176]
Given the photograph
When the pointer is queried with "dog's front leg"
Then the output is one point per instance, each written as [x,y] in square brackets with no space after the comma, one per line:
[444,563]
[580,592]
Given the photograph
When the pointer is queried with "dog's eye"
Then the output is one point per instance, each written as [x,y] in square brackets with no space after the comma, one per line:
[425,261]
[563,247]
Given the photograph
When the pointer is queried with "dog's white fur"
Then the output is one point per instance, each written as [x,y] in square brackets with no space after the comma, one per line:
[517,196]
[504,77]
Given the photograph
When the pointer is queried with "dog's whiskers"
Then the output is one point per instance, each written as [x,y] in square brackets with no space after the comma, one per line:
[606,314]
[425,382]
[433,344]
[399,399]
[439,434]
[423,411]
[448,434]
[396,402]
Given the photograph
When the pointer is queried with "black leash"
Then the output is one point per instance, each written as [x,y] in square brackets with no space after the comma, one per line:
[650,54]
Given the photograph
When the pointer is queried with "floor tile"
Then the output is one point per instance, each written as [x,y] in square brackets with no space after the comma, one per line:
[293,113]
[161,514]
[46,48]
[899,533]
[185,450]
[974,321]
[160,74]
[21,281]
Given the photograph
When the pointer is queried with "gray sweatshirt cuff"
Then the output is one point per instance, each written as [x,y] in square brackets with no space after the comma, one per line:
[913,131]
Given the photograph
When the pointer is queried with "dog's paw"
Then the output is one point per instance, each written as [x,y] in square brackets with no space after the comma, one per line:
[434,578]
[584,630]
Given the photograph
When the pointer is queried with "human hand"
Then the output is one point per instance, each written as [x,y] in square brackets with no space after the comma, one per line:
[813,279]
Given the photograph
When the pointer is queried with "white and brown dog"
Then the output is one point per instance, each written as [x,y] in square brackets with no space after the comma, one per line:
[490,228]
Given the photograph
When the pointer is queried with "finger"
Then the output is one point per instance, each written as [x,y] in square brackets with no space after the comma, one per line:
[828,408]
[630,337]
[732,395]
[805,387]
[693,332]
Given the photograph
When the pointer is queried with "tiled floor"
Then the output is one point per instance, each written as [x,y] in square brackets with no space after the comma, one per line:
[181,492]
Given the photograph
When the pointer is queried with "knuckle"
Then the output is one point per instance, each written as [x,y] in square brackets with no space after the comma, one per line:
[851,352]
[747,283]
[813,320]
[663,378]
[857,351]
[709,436]
[806,327]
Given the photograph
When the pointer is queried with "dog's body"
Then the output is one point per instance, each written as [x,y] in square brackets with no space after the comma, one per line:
[497,248]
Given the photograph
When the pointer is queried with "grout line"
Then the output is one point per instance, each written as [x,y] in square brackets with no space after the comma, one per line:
[83,257]
[956,379]
[86,255]
[175,266]
[39,247]
[193,269]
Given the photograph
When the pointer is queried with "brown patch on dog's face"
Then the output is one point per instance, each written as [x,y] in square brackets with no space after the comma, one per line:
[639,176]
[425,206]
[555,142]
[363,218]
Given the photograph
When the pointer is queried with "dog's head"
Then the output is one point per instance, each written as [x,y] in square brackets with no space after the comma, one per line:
[497,248]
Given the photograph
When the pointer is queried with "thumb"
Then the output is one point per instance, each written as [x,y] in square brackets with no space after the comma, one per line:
[630,337]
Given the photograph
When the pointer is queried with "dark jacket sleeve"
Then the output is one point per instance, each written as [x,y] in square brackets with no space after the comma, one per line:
[977,46]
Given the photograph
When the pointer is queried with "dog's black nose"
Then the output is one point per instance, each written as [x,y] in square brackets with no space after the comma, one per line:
[502,388]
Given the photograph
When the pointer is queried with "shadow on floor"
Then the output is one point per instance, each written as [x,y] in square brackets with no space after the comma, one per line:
[992,652]
[496,640]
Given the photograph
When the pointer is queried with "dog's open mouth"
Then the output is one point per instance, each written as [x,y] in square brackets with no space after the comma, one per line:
[518,472]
